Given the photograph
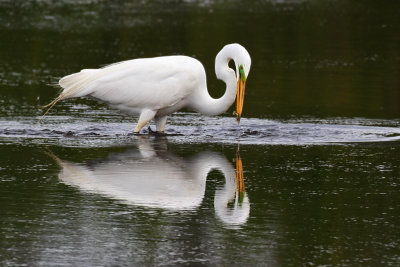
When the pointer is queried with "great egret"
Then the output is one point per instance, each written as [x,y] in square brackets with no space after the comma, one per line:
[157,87]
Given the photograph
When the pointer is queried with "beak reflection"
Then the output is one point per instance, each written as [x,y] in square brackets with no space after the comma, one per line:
[239,177]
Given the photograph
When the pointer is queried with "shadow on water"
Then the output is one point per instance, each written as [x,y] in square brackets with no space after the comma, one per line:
[157,178]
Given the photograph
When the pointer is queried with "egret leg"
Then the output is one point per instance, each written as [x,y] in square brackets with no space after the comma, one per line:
[146,116]
[160,124]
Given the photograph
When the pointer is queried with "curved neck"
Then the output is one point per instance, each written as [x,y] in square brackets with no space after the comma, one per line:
[208,105]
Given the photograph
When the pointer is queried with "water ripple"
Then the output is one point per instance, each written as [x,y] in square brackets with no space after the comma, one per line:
[194,128]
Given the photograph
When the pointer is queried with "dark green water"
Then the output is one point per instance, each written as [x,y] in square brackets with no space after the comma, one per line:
[319,138]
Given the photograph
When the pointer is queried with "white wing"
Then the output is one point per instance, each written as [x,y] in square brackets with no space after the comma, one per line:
[153,83]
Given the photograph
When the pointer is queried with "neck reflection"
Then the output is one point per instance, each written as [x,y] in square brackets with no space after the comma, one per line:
[158,178]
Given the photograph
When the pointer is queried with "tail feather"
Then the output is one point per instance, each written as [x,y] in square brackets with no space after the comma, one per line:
[74,85]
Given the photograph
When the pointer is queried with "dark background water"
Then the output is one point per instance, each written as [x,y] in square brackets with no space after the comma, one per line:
[318,138]
[310,58]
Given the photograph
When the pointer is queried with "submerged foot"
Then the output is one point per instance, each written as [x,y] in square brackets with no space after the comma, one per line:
[151,132]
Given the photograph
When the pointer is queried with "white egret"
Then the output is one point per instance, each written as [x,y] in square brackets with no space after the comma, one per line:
[157,87]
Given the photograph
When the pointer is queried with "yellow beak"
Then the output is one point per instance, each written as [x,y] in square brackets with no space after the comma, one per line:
[241,85]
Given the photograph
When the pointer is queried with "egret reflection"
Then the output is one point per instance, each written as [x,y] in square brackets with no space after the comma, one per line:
[158,178]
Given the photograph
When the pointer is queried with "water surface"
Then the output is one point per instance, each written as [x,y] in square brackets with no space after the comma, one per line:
[309,177]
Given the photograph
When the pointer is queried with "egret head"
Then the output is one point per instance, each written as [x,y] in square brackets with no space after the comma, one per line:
[239,73]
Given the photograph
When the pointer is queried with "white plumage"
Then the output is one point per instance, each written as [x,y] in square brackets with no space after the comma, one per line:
[156,87]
